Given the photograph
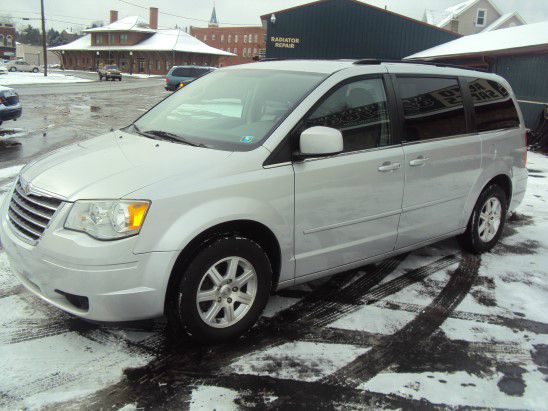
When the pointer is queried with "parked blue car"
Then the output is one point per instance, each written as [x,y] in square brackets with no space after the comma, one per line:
[180,76]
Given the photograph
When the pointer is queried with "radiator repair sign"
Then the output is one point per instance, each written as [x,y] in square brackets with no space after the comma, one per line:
[285,42]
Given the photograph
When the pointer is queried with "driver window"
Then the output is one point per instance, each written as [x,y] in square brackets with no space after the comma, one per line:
[360,111]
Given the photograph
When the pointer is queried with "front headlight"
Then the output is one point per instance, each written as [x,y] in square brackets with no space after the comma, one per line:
[107,219]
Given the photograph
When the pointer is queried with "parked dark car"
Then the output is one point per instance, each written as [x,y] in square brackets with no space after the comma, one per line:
[180,76]
[10,108]
[109,73]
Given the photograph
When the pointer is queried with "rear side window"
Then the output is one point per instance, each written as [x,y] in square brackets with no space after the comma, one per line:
[432,107]
[359,110]
[183,72]
[493,106]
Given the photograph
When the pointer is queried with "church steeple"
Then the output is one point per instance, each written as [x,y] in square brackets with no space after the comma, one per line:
[213,21]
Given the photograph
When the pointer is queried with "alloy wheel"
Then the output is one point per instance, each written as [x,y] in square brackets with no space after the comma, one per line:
[489,219]
[226,292]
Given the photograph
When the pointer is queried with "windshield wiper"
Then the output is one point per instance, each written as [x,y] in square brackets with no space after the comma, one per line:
[165,135]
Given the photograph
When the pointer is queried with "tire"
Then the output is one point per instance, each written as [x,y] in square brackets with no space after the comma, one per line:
[120,79]
[35,70]
[100,78]
[12,69]
[187,317]
[475,239]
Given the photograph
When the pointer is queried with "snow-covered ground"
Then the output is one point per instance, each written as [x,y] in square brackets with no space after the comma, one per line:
[434,328]
[16,78]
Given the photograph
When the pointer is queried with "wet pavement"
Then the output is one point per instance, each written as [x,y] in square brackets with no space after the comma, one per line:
[61,114]
[432,329]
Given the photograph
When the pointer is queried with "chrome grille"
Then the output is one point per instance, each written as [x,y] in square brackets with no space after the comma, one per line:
[31,213]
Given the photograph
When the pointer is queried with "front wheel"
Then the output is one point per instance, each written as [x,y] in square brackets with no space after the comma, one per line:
[13,69]
[222,292]
[487,220]
[35,70]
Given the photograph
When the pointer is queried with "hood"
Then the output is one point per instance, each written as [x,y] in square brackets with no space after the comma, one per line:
[117,163]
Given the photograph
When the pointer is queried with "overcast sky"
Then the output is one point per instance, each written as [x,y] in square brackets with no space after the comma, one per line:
[72,13]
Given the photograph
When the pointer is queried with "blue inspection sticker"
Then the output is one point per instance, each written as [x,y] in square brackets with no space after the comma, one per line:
[247,139]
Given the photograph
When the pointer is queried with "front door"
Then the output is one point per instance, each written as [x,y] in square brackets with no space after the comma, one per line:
[347,206]
[442,160]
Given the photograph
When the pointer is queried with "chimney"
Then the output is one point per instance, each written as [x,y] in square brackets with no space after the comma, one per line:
[113,15]
[153,20]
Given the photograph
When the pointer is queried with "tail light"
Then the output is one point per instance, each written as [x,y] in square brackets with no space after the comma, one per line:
[526,143]
[166,80]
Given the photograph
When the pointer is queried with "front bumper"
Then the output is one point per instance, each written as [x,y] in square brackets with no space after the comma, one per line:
[9,113]
[116,284]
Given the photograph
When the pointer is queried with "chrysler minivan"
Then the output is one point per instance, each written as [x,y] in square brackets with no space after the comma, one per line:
[261,176]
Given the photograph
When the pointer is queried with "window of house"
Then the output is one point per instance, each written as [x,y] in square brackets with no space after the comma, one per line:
[360,111]
[432,107]
[1,39]
[493,105]
[9,41]
[254,51]
[111,39]
[222,38]
[98,39]
[235,38]
[213,37]
[481,17]
[205,37]
[256,38]
[168,65]
[229,39]
[245,38]
[249,52]
[123,38]
[244,52]
[236,50]
[158,65]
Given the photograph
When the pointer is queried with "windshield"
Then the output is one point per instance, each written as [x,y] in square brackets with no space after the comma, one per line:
[111,68]
[229,109]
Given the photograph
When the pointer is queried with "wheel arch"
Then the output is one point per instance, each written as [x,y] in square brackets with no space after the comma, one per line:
[251,229]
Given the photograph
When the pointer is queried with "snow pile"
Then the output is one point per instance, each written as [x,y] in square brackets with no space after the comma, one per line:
[14,78]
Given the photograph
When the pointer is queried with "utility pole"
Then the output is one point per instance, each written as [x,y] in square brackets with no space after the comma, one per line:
[44,40]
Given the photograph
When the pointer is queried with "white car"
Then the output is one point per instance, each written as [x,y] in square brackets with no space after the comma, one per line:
[10,107]
[3,70]
[22,65]
[261,176]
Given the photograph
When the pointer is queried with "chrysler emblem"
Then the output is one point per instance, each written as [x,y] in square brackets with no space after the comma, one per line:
[25,186]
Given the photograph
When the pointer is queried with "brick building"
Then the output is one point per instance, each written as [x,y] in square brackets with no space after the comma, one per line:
[137,46]
[7,40]
[246,43]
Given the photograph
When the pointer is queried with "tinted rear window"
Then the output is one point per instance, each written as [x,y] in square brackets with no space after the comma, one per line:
[189,72]
[432,107]
[493,106]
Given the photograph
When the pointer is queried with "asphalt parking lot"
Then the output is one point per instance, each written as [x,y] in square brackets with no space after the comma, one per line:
[432,329]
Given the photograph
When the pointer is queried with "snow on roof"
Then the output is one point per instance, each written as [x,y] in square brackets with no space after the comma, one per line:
[503,19]
[161,40]
[528,35]
[131,23]
[441,18]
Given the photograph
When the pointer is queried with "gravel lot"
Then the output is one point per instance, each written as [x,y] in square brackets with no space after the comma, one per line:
[435,328]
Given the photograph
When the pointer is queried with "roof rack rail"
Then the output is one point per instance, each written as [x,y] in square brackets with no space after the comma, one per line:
[425,62]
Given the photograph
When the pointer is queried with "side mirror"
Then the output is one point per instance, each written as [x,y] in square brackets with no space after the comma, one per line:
[320,141]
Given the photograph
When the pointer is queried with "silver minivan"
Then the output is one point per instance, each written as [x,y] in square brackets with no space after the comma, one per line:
[262,176]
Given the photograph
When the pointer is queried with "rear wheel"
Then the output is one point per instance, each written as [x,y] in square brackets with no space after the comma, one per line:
[487,220]
[13,69]
[35,70]
[222,292]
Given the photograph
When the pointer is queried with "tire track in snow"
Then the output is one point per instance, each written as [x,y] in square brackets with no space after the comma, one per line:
[517,323]
[394,349]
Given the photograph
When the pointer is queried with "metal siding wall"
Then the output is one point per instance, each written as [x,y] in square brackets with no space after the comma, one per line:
[528,76]
[344,29]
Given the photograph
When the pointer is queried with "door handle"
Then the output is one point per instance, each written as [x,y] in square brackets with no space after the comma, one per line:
[419,161]
[388,166]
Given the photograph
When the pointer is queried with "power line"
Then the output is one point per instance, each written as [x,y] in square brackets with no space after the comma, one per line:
[184,17]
